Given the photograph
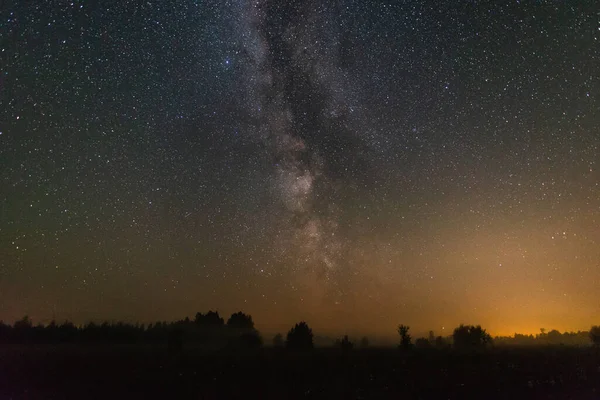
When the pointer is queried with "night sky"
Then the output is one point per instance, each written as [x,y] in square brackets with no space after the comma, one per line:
[357,164]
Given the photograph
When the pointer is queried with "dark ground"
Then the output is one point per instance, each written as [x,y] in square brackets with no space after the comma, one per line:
[110,372]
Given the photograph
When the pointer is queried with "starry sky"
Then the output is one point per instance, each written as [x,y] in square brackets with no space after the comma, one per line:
[356,164]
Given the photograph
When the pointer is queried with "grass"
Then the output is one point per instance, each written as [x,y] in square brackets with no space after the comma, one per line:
[77,371]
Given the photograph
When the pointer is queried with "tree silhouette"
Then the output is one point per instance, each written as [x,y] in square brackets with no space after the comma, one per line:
[240,321]
[431,338]
[23,324]
[250,340]
[300,337]
[67,332]
[278,340]
[23,329]
[595,335]
[344,343]
[4,331]
[211,318]
[554,337]
[364,342]
[470,337]
[422,343]
[175,340]
[440,342]
[405,338]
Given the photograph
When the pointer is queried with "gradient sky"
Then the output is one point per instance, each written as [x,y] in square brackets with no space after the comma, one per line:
[356,164]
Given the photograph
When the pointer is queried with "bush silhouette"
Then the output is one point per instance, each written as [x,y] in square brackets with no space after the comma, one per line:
[300,337]
[595,335]
[470,337]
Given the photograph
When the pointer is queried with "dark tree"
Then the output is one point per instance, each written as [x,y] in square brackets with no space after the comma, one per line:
[4,331]
[67,332]
[422,343]
[440,342]
[344,343]
[470,337]
[23,329]
[431,338]
[364,342]
[175,340]
[250,340]
[405,338]
[240,321]
[211,318]
[23,324]
[555,337]
[278,340]
[300,337]
[595,335]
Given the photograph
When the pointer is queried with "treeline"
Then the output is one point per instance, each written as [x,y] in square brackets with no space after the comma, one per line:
[554,337]
[212,330]
[209,328]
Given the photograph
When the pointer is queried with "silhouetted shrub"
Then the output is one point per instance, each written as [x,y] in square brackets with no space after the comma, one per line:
[405,338]
[278,340]
[300,337]
[470,337]
[595,335]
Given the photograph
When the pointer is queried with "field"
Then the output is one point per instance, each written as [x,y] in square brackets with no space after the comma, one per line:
[103,372]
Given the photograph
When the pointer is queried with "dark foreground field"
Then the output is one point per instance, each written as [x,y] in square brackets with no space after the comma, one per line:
[79,372]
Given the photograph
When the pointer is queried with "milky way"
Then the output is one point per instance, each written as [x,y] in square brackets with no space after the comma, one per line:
[354,164]
[284,66]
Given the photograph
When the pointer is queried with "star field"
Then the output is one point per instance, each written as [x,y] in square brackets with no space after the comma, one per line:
[351,163]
